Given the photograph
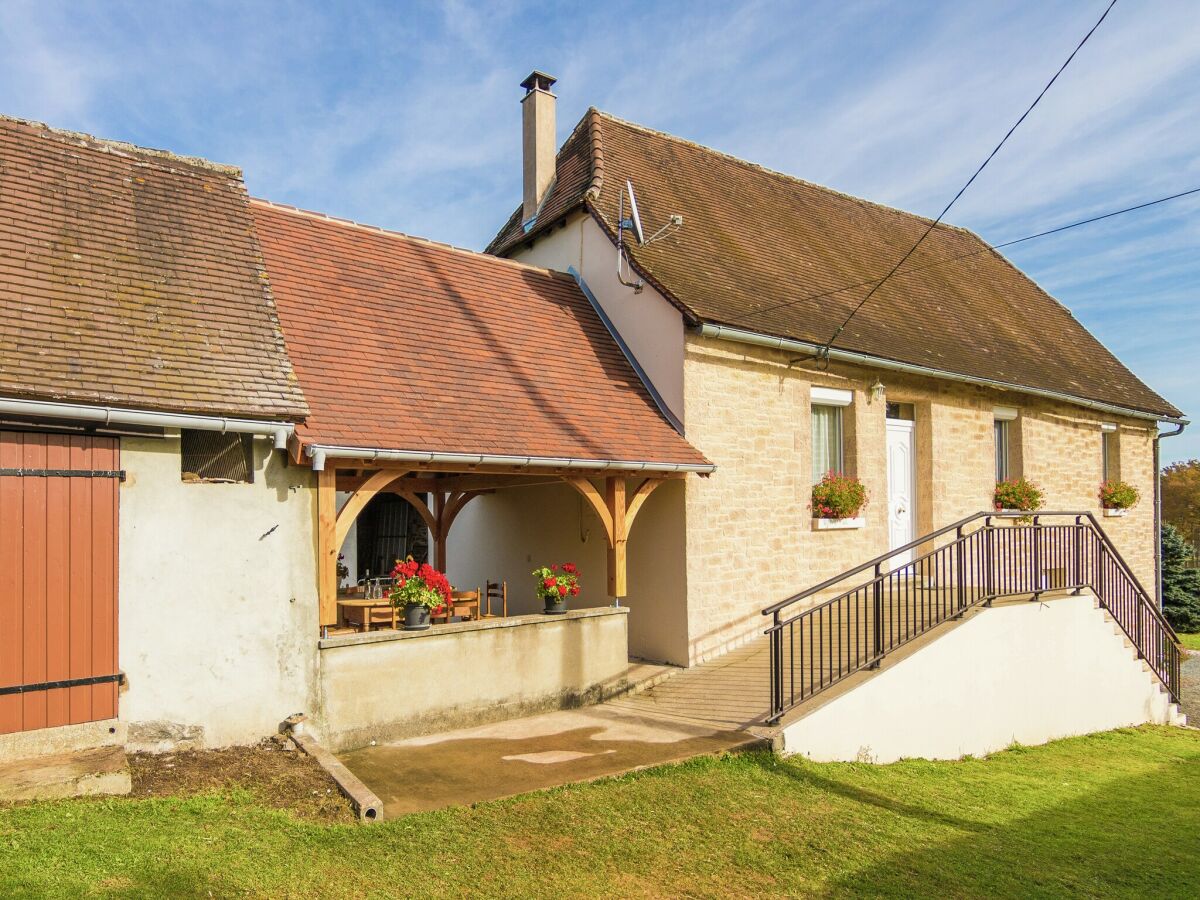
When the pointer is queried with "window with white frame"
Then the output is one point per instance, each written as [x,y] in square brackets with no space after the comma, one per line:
[828,431]
[1110,452]
[1004,418]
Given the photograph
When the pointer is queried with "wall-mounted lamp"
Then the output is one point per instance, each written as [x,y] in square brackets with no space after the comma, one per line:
[878,391]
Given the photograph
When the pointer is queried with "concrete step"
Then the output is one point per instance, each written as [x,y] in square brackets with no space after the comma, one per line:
[79,774]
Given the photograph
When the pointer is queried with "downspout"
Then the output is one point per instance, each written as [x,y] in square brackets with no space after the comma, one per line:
[1158,575]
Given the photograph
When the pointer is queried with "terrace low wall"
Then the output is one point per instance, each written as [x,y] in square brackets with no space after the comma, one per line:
[387,685]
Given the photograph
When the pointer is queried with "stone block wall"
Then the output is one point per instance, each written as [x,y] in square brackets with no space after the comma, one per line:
[750,535]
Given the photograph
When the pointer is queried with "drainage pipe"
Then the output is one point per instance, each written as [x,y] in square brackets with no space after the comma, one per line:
[1158,575]
[319,453]
[741,336]
[111,415]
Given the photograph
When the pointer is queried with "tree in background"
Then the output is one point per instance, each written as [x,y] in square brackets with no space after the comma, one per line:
[1181,498]
[1181,586]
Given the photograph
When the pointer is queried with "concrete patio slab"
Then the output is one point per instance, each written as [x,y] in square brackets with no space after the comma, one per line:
[505,758]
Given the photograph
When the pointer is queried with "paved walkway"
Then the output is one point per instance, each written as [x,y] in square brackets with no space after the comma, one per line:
[487,762]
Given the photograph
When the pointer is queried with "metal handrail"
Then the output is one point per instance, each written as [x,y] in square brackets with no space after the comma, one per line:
[829,582]
[891,608]
[1152,607]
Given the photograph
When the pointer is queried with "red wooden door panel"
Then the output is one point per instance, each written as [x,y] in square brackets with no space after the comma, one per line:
[58,578]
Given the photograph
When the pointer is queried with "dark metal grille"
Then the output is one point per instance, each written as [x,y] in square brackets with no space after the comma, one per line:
[213,456]
[980,559]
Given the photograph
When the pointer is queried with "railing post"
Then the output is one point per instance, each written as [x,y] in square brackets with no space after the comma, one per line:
[878,617]
[776,669]
[961,572]
[1038,530]
[1078,555]
[989,561]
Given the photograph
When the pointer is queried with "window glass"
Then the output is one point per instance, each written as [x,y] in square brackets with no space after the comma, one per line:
[1110,456]
[826,441]
[1002,467]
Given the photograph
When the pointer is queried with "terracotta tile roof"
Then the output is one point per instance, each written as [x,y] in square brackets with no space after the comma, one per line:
[753,239]
[404,344]
[131,277]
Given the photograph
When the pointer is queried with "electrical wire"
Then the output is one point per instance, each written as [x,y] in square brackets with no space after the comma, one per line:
[828,344]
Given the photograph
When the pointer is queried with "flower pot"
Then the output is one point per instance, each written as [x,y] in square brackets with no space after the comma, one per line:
[838,524]
[556,607]
[1114,513]
[416,617]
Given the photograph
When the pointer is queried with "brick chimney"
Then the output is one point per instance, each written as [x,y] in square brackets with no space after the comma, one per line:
[539,143]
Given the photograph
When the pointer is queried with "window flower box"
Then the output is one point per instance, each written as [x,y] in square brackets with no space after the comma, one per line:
[1117,498]
[839,524]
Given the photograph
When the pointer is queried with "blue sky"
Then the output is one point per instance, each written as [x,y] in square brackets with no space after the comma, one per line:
[407,116]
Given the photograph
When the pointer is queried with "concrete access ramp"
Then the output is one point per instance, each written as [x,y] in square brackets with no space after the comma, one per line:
[1022,672]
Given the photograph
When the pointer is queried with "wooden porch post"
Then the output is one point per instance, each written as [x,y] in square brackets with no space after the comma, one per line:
[614,495]
[439,533]
[617,516]
[327,547]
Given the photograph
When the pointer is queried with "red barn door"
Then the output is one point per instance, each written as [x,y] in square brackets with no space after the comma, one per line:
[58,579]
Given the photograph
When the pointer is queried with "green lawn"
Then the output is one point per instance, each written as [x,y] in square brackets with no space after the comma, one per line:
[1191,641]
[1117,813]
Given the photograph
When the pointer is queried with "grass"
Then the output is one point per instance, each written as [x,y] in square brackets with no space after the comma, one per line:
[1110,814]
[1191,641]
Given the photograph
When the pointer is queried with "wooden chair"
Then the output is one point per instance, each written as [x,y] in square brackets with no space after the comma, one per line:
[465,604]
[497,591]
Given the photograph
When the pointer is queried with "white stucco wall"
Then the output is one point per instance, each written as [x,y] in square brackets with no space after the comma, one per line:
[1021,672]
[652,328]
[218,605]
[502,536]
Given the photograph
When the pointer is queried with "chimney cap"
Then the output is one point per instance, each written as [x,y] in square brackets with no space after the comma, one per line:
[538,81]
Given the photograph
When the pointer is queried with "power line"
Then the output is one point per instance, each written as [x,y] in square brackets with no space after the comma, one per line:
[984,249]
[828,344]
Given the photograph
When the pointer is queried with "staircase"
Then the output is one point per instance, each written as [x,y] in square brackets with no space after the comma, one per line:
[851,622]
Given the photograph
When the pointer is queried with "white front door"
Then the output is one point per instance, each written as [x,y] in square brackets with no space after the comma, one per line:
[901,469]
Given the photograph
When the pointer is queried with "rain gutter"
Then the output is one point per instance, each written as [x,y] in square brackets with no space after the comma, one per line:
[319,453]
[111,415]
[754,338]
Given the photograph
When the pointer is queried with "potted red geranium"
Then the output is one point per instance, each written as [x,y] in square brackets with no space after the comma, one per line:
[837,500]
[419,588]
[555,584]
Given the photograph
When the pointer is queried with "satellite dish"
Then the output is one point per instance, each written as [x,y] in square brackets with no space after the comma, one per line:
[633,214]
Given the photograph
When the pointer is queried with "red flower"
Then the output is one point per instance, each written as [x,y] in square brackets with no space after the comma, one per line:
[575,591]
[562,590]
[548,582]
[570,569]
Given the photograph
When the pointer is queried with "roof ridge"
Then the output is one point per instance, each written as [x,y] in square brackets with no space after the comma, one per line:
[108,145]
[596,136]
[392,233]
[796,179]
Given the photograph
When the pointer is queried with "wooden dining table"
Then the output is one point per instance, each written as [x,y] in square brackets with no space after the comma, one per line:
[367,608]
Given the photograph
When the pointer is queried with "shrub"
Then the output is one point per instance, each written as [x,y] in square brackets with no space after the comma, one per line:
[838,496]
[1017,493]
[1118,495]
[1181,586]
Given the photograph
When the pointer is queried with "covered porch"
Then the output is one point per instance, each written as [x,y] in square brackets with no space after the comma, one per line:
[439,492]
